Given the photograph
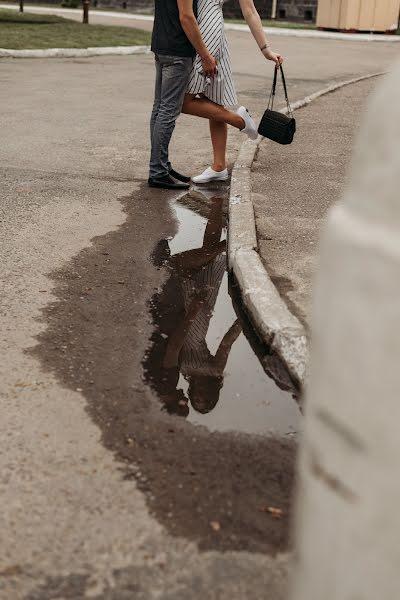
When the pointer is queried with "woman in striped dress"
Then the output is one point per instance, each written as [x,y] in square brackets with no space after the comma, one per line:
[208,97]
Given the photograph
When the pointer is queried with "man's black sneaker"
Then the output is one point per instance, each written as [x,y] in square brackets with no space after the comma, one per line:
[179,176]
[166,182]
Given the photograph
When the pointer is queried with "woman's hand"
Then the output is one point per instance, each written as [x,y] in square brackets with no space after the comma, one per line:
[270,55]
[209,65]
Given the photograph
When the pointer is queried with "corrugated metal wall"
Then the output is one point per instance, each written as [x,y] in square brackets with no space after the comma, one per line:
[359,15]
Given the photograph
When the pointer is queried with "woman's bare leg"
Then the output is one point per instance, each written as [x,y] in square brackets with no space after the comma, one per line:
[203,107]
[219,137]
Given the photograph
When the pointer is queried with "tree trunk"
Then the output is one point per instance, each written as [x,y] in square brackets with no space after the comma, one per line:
[86,4]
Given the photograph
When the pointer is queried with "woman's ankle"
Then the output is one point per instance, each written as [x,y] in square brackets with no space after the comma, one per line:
[218,167]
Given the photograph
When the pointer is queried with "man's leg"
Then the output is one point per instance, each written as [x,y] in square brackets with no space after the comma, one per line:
[175,75]
[157,97]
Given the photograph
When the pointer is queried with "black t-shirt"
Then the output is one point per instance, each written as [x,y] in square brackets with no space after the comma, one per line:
[168,35]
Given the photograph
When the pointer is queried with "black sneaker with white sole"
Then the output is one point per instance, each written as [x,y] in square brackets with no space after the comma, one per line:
[166,182]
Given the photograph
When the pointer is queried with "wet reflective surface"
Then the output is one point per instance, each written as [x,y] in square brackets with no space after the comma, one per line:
[200,363]
[96,335]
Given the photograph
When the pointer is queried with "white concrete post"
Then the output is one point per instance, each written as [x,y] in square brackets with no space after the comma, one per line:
[348,518]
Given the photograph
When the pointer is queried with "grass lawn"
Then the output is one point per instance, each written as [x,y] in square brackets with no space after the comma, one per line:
[34,31]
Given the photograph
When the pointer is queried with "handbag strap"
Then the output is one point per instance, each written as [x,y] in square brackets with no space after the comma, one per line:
[273,90]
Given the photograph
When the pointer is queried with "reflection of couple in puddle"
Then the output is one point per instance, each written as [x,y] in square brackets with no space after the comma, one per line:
[182,315]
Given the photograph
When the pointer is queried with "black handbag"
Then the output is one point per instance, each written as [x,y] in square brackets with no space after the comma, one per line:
[275,125]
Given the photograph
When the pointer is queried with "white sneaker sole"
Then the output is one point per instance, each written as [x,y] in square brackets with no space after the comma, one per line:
[209,179]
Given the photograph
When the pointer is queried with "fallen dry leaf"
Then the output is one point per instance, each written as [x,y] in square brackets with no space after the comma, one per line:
[277,513]
[10,571]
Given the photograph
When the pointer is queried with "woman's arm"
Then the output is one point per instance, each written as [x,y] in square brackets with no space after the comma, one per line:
[221,358]
[253,20]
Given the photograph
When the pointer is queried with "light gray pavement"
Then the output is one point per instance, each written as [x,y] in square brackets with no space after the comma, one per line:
[74,143]
[294,186]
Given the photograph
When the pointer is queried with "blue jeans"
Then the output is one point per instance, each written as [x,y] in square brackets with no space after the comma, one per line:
[172,79]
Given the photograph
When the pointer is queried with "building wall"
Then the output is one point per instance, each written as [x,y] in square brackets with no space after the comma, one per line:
[299,10]
[232,8]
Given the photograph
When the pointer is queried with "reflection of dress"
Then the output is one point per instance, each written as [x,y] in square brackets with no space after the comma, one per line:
[195,357]
[221,88]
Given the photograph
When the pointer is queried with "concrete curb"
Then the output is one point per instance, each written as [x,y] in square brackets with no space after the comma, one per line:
[272,319]
[320,35]
[301,33]
[74,52]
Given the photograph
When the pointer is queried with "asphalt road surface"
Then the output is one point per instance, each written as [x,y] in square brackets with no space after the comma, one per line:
[103,495]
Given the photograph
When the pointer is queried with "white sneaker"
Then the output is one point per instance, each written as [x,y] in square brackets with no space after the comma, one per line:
[250,128]
[210,175]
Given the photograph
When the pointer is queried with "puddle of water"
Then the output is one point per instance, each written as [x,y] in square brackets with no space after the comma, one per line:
[200,363]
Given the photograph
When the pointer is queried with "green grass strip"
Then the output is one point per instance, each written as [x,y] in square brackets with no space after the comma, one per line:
[35,31]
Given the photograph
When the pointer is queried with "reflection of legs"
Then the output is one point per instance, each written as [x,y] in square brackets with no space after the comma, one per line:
[219,138]
[203,107]
[188,262]
[212,234]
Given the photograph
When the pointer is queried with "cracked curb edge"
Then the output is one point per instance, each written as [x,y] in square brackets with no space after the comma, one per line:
[74,52]
[270,316]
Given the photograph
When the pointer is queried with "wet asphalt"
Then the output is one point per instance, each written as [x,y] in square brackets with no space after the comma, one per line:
[191,477]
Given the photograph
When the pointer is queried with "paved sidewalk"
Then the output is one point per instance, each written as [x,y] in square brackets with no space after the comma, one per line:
[293,187]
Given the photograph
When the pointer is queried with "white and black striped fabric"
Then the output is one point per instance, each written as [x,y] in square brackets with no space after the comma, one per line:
[195,357]
[221,88]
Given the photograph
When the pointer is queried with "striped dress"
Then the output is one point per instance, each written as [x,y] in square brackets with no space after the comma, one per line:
[221,88]
[195,357]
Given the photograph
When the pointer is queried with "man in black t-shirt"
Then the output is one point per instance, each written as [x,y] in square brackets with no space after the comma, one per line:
[176,39]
